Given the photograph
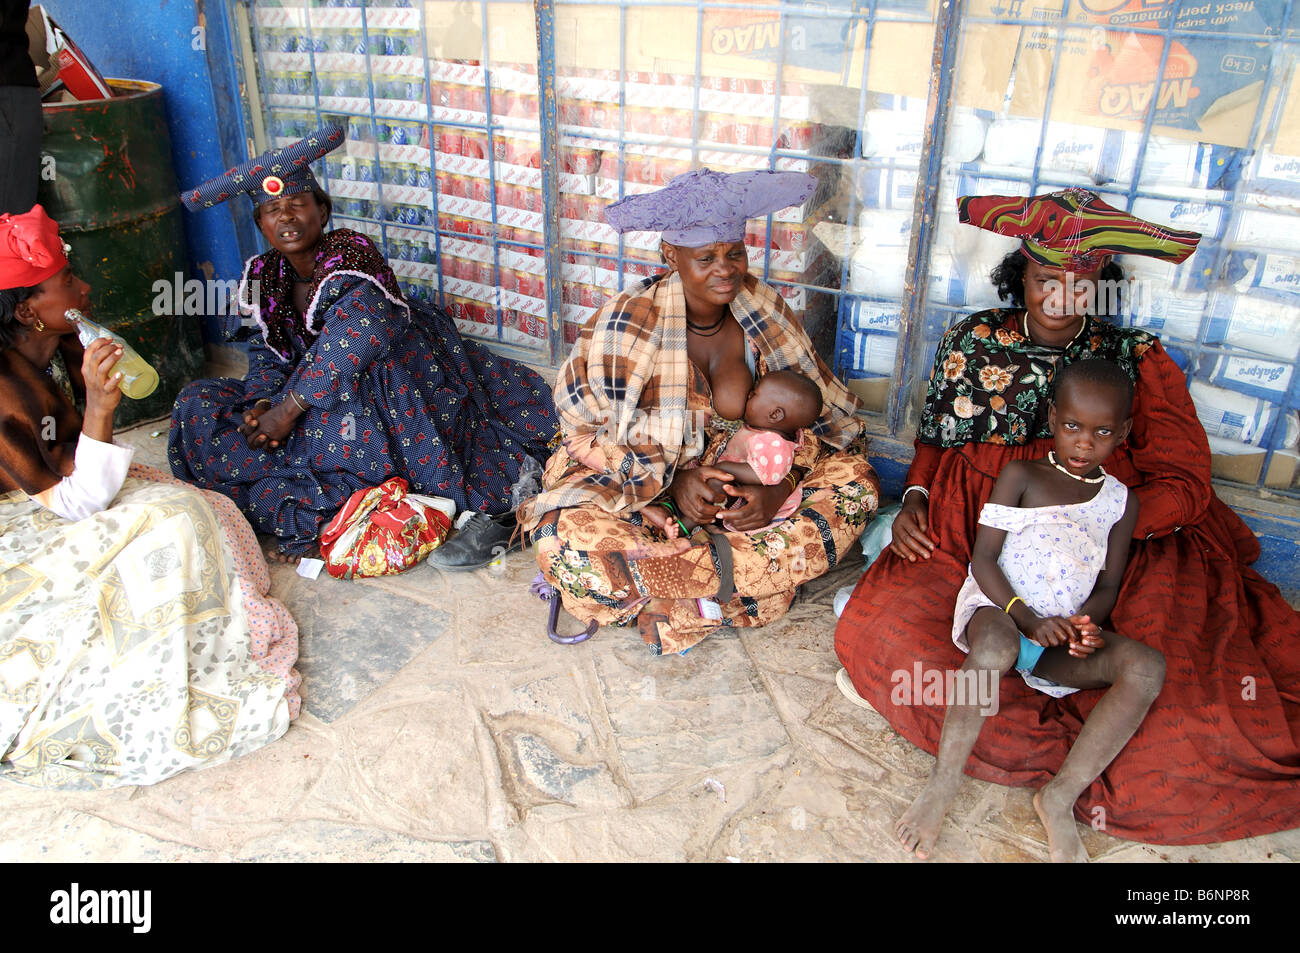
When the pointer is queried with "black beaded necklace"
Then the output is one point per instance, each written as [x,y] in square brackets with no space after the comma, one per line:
[707,330]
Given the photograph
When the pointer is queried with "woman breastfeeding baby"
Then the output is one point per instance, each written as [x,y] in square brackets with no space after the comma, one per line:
[780,407]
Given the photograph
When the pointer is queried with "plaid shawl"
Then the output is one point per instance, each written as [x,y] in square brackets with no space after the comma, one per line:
[622,395]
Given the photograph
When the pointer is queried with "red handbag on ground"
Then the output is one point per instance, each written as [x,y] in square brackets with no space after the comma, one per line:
[384,530]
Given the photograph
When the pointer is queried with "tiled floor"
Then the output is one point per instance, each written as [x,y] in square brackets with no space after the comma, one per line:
[441,724]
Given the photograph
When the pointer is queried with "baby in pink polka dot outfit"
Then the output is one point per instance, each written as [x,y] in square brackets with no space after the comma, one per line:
[781,404]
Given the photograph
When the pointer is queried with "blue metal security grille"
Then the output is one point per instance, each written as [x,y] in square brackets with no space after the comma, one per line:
[485,137]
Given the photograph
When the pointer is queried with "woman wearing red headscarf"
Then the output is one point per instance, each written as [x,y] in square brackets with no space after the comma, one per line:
[136,638]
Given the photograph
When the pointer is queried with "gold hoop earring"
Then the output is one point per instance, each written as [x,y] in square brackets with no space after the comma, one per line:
[40,325]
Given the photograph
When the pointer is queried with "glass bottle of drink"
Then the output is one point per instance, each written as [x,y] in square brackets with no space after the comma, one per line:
[139,379]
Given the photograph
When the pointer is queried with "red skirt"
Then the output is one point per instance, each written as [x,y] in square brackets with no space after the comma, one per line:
[1218,756]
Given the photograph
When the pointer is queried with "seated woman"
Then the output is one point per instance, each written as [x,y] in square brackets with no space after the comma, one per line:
[1218,755]
[648,400]
[136,639]
[348,383]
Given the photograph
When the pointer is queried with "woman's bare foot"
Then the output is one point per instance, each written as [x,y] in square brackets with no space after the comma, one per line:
[918,828]
[1063,841]
[274,554]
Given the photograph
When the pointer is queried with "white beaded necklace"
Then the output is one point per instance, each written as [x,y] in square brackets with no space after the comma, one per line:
[1051,458]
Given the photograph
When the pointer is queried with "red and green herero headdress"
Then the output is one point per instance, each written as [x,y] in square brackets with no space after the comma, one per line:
[1074,229]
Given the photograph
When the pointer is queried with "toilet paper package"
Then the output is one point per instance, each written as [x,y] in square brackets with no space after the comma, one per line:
[1267,274]
[1267,222]
[1252,375]
[1257,324]
[896,129]
[1168,314]
[1171,163]
[1229,415]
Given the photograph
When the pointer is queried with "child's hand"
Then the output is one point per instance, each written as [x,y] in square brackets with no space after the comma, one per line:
[1087,636]
[1049,631]
[1086,645]
[1083,625]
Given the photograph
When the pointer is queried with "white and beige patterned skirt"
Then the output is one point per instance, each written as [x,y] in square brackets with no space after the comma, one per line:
[138,642]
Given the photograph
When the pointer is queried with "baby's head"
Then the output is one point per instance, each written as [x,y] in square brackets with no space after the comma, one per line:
[1090,413]
[783,400]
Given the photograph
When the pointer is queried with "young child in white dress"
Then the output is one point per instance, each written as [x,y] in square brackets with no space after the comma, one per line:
[1049,556]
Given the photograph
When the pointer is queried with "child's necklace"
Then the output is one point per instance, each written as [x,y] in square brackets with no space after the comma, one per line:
[1051,458]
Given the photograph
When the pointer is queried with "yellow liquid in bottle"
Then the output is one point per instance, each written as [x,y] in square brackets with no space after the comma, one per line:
[139,379]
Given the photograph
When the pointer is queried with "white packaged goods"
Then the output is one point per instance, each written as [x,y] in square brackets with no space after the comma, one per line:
[1066,147]
[1167,162]
[1268,327]
[1267,222]
[1241,418]
[897,129]
[896,133]
[889,188]
[1197,273]
[1271,272]
[1277,174]
[1197,212]
[866,315]
[874,354]
[1169,314]
[882,272]
[1251,375]
[885,229]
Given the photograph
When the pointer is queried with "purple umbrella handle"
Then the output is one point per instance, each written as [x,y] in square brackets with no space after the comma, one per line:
[544,590]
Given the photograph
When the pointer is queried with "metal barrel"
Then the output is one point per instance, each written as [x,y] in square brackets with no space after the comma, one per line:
[107,179]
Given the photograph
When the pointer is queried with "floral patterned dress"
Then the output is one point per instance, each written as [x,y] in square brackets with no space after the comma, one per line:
[391,390]
[1210,761]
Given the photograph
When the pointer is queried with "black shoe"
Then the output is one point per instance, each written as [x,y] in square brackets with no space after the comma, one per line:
[482,540]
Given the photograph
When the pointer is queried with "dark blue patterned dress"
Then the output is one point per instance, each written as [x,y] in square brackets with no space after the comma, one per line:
[392,390]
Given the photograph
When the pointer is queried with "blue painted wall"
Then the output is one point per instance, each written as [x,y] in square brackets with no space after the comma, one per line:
[154,40]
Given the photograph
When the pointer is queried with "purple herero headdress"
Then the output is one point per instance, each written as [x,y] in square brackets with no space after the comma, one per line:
[703,207]
[274,173]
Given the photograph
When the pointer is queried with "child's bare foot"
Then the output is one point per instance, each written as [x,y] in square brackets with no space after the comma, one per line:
[1063,841]
[918,828]
[657,516]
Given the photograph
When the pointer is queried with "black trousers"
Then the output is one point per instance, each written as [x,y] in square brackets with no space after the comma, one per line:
[20,147]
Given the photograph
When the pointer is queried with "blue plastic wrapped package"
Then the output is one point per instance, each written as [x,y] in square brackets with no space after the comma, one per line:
[877,536]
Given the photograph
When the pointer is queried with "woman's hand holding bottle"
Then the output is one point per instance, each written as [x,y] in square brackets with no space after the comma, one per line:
[103,392]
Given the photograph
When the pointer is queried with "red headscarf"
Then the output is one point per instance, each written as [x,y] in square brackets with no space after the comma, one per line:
[30,249]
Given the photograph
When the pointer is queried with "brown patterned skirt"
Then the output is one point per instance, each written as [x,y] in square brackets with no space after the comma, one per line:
[615,571]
